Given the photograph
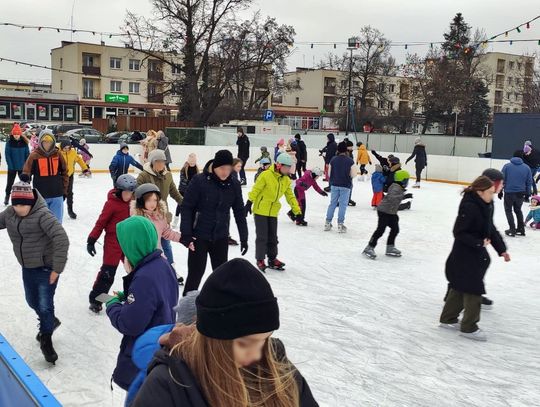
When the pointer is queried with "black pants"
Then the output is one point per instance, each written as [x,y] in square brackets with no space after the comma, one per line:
[514,201]
[243,178]
[266,242]
[419,173]
[300,166]
[218,251]
[385,220]
[103,283]
[11,180]
[363,170]
[69,197]
[177,212]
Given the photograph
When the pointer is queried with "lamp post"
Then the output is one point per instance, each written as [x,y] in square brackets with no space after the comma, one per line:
[352,44]
[455,135]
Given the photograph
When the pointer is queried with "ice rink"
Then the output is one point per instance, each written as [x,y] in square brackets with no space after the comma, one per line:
[362,332]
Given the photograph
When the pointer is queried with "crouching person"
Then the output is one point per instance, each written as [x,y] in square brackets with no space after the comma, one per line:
[150,292]
[41,245]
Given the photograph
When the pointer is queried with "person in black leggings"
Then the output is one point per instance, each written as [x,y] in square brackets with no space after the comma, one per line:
[188,171]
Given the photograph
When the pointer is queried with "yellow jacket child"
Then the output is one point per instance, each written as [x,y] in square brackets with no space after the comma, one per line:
[363,157]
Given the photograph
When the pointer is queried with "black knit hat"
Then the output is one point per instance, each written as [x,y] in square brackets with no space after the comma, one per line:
[64,144]
[222,157]
[236,301]
[342,147]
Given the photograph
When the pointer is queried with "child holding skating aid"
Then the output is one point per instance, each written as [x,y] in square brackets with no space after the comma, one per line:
[534,213]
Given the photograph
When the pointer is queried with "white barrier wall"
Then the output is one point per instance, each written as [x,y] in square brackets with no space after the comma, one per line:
[442,168]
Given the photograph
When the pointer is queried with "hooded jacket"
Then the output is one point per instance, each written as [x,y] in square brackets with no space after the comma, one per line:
[151,292]
[171,383]
[48,170]
[163,144]
[16,153]
[268,190]
[391,201]
[243,147]
[534,214]
[517,177]
[163,228]
[377,181]
[363,157]
[38,239]
[330,149]
[305,182]
[71,158]
[205,211]
[120,164]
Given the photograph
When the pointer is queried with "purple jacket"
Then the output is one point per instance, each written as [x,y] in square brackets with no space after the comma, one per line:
[151,292]
[305,182]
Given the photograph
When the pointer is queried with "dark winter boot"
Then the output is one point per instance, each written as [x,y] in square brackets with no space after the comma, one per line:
[95,307]
[276,264]
[486,303]
[510,232]
[261,265]
[520,231]
[46,345]
[301,222]
[6,200]
[57,323]
[291,216]
[352,203]
[71,214]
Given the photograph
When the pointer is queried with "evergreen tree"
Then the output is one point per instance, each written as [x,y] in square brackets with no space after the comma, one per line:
[478,110]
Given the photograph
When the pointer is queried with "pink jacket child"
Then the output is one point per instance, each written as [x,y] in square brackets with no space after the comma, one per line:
[308,180]
[86,158]
[159,219]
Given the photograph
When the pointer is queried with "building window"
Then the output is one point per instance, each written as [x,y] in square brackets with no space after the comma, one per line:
[508,95]
[134,65]
[152,89]
[297,101]
[61,84]
[516,110]
[380,104]
[391,105]
[88,60]
[134,87]
[381,87]
[116,63]
[511,65]
[500,65]
[245,95]
[343,84]
[510,80]
[507,110]
[391,88]
[176,70]
[498,97]
[116,86]
[356,84]
[61,62]
[88,88]
[499,82]
[153,65]
[175,90]
[298,82]
[519,66]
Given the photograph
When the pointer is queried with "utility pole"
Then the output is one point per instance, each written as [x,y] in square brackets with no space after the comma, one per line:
[352,44]
[455,135]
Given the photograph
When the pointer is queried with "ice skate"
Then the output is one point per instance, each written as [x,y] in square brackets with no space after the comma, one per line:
[291,216]
[327,227]
[72,214]
[46,345]
[520,231]
[369,252]
[175,221]
[477,335]
[261,265]
[276,265]
[392,251]
[57,323]
[487,303]
[180,280]
[352,203]
[95,307]
[456,326]
[416,185]
[510,232]
[341,228]
[301,222]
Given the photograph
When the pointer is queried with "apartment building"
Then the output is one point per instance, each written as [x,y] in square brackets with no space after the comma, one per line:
[20,86]
[112,81]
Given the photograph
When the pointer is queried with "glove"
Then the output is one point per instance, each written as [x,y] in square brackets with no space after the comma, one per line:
[500,195]
[324,193]
[91,247]
[112,301]
[408,196]
[298,217]
[121,296]
[186,240]
[243,248]
[247,208]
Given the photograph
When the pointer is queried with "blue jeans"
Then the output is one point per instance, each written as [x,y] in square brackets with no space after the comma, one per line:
[56,206]
[339,195]
[40,295]
[167,250]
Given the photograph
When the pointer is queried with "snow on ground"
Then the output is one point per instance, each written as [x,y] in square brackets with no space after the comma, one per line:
[362,332]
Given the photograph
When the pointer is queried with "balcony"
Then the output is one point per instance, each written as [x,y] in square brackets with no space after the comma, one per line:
[91,70]
[155,98]
[330,90]
[92,96]
[261,84]
[155,75]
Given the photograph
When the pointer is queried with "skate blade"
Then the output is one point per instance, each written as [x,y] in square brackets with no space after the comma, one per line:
[369,257]
[393,255]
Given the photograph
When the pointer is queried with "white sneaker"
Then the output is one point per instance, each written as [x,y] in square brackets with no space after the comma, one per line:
[341,228]
[174,223]
[477,335]
[456,326]
[327,227]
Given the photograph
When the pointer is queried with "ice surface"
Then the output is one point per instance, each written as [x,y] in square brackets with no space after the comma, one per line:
[362,332]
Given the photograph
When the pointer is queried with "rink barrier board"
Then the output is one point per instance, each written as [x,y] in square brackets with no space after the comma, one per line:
[19,385]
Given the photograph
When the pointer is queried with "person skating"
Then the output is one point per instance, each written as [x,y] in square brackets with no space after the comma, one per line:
[291,150]
[362,159]
[115,210]
[205,219]
[263,201]
[264,154]
[121,162]
[517,187]
[264,164]
[534,213]
[49,173]
[243,152]
[341,171]
[388,217]
[149,295]
[40,244]
[279,148]
[237,314]
[155,172]
[187,172]
[308,180]
[531,157]
[163,145]
[84,151]
[71,158]
[301,155]
[377,185]
[328,152]
[237,168]
[420,159]
[469,259]
[16,154]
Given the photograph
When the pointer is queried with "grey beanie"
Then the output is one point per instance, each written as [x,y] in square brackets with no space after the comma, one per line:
[157,155]
[186,310]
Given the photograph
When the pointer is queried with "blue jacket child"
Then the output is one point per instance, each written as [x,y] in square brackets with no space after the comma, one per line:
[121,162]
[150,292]
[378,179]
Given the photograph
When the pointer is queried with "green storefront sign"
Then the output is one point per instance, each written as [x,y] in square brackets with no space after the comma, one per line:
[116,98]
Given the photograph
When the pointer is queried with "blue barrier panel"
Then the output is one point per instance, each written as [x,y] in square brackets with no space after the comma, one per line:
[19,385]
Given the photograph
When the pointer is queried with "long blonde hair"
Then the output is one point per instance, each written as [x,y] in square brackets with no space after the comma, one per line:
[137,209]
[269,383]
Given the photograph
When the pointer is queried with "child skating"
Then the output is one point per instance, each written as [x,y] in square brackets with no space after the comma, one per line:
[362,159]
[377,185]
[71,158]
[387,213]
[263,200]
[308,180]
[85,154]
[534,213]
[40,244]
[264,154]
[115,210]
[264,164]
[121,162]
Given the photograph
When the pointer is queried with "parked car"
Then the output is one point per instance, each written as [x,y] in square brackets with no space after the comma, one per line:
[132,137]
[63,128]
[114,136]
[90,135]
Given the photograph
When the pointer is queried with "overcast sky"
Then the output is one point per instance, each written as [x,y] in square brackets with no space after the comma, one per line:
[314,20]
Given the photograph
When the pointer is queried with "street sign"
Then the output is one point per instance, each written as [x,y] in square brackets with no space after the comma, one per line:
[268,115]
[116,98]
